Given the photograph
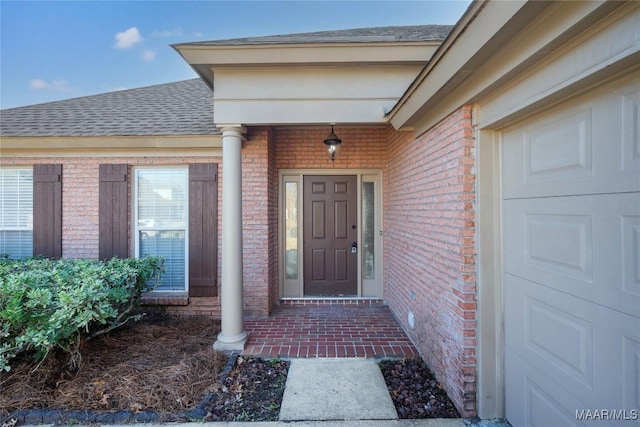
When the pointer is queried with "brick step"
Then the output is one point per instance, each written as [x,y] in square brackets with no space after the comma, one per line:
[292,302]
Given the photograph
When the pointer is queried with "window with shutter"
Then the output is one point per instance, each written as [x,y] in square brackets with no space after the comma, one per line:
[161,220]
[113,227]
[47,210]
[16,212]
[176,217]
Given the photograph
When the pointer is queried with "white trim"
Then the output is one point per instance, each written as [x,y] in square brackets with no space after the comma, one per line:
[490,326]
[373,285]
[513,58]
[289,285]
[296,175]
[29,228]
[134,223]
[126,144]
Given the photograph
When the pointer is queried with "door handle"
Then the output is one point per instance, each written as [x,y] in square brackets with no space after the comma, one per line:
[354,248]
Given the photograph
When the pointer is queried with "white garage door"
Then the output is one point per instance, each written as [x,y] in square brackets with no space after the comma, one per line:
[571,241]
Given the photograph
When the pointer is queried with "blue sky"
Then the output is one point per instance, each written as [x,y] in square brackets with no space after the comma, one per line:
[51,50]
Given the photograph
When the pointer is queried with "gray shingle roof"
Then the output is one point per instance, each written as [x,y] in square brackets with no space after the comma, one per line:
[412,33]
[180,108]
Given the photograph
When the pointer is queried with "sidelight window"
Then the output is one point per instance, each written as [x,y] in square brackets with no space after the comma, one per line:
[368,230]
[291,230]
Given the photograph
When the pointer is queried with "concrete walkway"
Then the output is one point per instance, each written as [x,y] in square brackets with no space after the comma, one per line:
[336,389]
[325,392]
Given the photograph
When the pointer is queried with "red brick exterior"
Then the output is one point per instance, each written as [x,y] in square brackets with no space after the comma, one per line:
[429,227]
[259,226]
[302,148]
[80,210]
[429,249]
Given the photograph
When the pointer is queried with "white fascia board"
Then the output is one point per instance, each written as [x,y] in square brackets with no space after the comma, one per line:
[291,112]
[345,94]
[312,83]
[48,144]
[602,50]
[552,56]
[490,19]
[545,35]
[295,54]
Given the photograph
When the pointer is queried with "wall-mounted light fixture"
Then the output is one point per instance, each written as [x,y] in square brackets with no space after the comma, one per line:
[333,144]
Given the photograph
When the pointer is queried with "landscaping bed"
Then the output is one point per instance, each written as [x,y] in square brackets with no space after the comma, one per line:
[163,368]
[415,391]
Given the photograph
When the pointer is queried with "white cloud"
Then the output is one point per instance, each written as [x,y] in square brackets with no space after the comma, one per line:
[57,85]
[127,39]
[198,34]
[167,33]
[148,55]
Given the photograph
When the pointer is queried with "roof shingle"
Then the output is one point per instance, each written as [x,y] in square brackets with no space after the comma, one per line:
[393,34]
[179,108]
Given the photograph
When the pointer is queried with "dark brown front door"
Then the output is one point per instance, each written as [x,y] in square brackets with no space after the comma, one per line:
[330,235]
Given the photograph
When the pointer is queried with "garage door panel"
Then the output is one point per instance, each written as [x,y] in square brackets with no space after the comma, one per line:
[533,400]
[582,347]
[555,341]
[586,246]
[589,147]
[630,370]
[630,230]
[630,121]
[571,258]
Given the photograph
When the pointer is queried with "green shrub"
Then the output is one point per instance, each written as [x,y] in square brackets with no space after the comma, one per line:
[57,304]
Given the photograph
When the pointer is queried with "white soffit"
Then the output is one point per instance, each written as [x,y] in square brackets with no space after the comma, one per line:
[515,39]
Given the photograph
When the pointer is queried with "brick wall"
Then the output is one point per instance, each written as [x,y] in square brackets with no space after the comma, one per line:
[266,152]
[429,253]
[257,230]
[274,281]
[302,148]
[429,248]
[80,210]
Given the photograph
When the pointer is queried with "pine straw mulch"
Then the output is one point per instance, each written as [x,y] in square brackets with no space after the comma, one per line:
[160,363]
[252,392]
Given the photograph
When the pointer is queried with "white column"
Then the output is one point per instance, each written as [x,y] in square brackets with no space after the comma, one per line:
[232,335]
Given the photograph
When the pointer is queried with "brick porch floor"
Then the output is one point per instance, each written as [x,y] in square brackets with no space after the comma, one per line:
[328,328]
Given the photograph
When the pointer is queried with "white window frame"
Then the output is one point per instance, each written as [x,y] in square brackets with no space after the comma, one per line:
[18,169]
[137,229]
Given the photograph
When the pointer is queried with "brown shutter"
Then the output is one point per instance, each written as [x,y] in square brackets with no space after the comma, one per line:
[113,224]
[47,211]
[203,230]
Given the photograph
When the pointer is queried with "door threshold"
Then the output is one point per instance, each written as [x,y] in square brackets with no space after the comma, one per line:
[331,301]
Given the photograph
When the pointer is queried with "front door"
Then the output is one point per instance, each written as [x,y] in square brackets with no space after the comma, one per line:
[330,236]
